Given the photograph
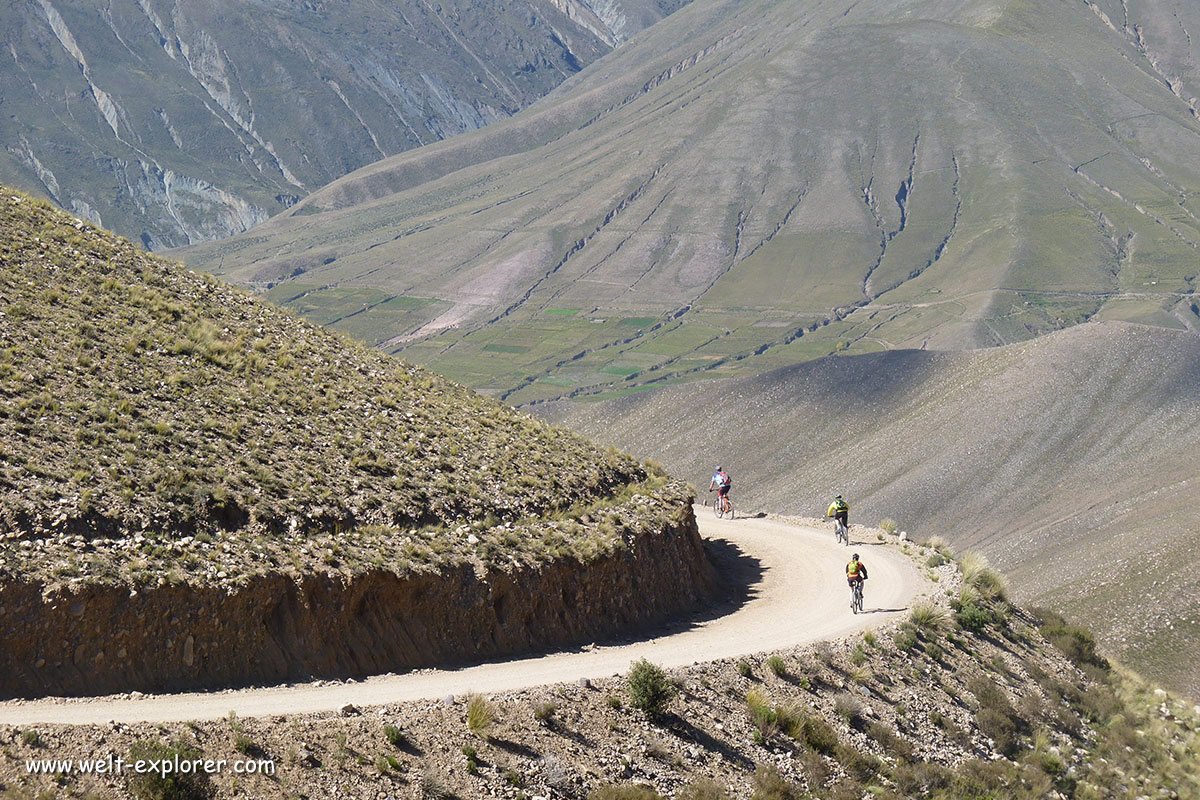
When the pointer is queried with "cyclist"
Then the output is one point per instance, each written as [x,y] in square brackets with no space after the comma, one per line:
[856,572]
[722,483]
[839,509]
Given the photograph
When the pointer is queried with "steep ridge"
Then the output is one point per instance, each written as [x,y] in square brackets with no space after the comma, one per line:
[1069,461]
[198,490]
[749,184]
[175,123]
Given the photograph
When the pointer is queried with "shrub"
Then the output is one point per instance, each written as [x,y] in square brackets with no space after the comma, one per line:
[973,617]
[928,618]
[848,707]
[819,735]
[935,559]
[889,740]
[777,666]
[770,785]
[766,720]
[649,688]
[544,712]
[481,715]
[395,736]
[940,545]
[861,766]
[166,786]
[976,572]
[906,639]
[31,738]
[889,525]
[858,657]
[1075,642]
[744,669]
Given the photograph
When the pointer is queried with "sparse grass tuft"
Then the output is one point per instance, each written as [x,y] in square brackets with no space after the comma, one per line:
[889,525]
[777,665]
[481,715]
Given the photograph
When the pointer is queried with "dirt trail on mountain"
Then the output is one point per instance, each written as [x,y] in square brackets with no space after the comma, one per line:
[792,576]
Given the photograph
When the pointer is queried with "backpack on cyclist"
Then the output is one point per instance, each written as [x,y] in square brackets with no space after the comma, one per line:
[840,505]
[725,481]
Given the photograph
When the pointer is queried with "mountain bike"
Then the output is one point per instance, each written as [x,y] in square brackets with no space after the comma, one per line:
[856,596]
[841,533]
[723,506]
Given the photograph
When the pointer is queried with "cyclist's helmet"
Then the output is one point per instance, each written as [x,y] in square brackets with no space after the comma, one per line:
[856,556]
[836,497]
[718,469]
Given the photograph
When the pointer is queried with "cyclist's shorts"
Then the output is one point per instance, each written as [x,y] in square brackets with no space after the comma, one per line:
[722,490]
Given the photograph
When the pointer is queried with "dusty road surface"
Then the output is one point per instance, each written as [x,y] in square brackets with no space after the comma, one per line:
[791,575]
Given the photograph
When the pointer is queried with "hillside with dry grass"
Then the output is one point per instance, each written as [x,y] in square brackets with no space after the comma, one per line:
[140,398]
[967,696]
[1069,460]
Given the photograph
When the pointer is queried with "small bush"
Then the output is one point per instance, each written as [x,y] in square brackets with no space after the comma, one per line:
[395,736]
[935,560]
[819,735]
[889,525]
[777,666]
[649,688]
[770,785]
[848,707]
[906,639]
[858,656]
[481,715]
[1075,642]
[859,765]
[166,786]
[544,712]
[940,545]
[973,617]
[928,619]
[744,669]
[889,740]
[976,572]
[870,638]
[31,738]
[933,651]
[434,789]
[766,719]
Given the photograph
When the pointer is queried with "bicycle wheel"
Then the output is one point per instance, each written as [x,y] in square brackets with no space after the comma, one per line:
[717,507]
[729,507]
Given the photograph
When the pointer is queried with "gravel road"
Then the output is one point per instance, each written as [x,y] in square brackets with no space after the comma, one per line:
[798,595]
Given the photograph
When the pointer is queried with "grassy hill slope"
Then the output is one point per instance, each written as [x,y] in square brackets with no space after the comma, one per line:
[751,184]
[1068,460]
[142,398]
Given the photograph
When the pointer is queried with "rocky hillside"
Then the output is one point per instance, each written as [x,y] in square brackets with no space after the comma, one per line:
[1069,460]
[950,175]
[162,431]
[176,123]
[968,697]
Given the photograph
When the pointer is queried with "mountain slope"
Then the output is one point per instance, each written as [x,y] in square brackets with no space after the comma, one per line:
[197,490]
[181,122]
[1069,461]
[750,184]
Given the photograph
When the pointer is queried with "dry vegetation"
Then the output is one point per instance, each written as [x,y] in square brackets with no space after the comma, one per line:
[154,422]
[1017,707]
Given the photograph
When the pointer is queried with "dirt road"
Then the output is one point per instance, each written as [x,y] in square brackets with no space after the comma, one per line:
[796,594]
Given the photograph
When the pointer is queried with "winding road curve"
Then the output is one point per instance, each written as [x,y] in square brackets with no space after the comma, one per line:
[798,596]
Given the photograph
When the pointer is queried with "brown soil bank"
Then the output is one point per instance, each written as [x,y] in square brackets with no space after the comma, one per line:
[101,639]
